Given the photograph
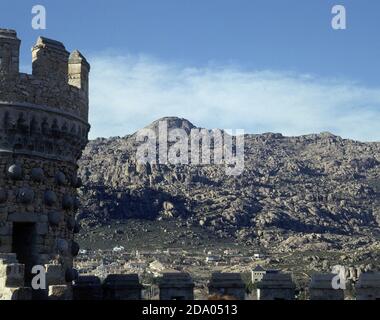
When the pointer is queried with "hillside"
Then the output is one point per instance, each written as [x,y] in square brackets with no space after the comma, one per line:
[316,191]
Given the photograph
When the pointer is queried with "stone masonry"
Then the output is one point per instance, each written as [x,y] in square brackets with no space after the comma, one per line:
[321,288]
[122,287]
[43,130]
[227,285]
[368,286]
[276,286]
[176,286]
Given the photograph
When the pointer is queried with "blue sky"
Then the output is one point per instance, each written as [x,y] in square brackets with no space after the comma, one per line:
[260,65]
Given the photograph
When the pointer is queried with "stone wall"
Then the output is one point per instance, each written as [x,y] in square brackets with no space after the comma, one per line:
[222,286]
[176,286]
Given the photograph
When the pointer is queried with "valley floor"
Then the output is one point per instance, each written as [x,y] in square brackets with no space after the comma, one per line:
[152,247]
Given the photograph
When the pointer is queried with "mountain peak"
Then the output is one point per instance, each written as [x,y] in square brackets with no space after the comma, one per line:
[172,123]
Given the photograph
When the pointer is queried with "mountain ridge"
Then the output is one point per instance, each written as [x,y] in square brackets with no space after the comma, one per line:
[318,187]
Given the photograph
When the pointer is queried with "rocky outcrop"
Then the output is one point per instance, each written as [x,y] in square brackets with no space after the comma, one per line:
[293,190]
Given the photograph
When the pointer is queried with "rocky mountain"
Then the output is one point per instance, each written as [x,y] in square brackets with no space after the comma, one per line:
[313,191]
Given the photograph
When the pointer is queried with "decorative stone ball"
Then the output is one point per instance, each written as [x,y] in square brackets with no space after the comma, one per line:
[50,198]
[71,274]
[74,248]
[62,246]
[77,227]
[67,202]
[60,178]
[15,172]
[37,174]
[25,195]
[55,218]
[3,195]
[71,223]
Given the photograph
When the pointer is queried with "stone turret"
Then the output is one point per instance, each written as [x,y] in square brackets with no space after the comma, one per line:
[79,69]
[9,53]
[50,60]
[43,130]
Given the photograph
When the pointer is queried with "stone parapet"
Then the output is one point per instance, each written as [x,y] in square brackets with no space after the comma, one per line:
[176,286]
[321,288]
[227,284]
[276,286]
[122,287]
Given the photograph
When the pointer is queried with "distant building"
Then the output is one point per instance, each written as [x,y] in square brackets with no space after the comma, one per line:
[211,258]
[258,256]
[118,249]
[258,273]
[137,266]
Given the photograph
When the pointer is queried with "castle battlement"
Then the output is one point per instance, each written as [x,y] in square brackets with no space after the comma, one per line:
[59,79]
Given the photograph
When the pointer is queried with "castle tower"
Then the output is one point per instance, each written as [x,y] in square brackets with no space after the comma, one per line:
[9,53]
[43,130]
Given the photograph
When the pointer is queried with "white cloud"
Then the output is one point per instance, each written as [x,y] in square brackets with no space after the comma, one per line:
[129,92]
